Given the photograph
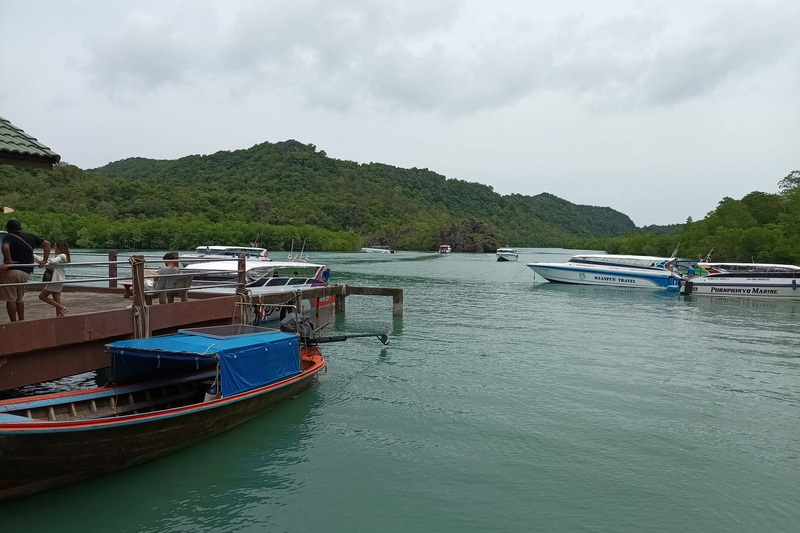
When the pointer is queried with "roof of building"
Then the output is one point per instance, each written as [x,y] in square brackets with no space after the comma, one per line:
[20,149]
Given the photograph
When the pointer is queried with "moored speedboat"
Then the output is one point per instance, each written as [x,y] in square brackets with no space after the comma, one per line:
[445,249]
[170,392]
[507,254]
[262,278]
[748,280]
[613,270]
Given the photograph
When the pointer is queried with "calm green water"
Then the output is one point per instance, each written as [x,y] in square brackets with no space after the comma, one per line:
[500,404]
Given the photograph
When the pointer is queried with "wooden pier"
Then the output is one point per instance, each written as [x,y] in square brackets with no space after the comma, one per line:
[44,347]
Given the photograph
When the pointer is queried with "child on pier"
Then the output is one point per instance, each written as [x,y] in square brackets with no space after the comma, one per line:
[52,293]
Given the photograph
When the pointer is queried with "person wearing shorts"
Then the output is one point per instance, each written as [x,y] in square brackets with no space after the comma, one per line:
[17,266]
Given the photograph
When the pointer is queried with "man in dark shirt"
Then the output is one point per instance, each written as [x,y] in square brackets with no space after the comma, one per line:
[17,249]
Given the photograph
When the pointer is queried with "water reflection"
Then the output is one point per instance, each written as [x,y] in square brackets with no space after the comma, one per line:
[212,485]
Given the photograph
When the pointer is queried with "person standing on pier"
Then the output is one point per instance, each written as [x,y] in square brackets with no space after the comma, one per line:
[51,294]
[17,249]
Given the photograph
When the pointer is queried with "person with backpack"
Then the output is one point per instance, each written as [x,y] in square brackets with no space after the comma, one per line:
[17,266]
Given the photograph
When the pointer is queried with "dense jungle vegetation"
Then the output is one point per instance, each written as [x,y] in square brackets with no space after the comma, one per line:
[283,193]
[760,228]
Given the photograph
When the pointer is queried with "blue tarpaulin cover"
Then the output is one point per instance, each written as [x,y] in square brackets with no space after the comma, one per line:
[245,361]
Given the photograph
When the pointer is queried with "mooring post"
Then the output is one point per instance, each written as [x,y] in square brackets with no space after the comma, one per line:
[137,279]
[339,305]
[141,314]
[397,303]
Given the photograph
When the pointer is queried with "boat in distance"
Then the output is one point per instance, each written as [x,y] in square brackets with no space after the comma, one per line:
[638,271]
[169,393]
[745,280]
[507,254]
[377,249]
[445,249]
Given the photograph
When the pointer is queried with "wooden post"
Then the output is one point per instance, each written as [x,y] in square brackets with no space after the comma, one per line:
[397,303]
[137,279]
[242,277]
[339,305]
[141,313]
[112,268]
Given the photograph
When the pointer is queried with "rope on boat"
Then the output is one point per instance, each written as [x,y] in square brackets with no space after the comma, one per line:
[141,322]
[245,303]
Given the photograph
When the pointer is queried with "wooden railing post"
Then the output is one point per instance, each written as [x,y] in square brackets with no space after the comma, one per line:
[141,314]
[137,279]
[112,268]
[242,277]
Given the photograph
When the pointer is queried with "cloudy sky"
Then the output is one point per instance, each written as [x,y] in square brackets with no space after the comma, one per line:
[658,109]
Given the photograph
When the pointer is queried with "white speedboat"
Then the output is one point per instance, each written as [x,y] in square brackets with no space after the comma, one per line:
[377,249]
[216,252]
[747,280]
[507,254]
[445,249]
[261,278]
[640,271]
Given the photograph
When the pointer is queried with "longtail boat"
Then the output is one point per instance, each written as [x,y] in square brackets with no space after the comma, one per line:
[167,393]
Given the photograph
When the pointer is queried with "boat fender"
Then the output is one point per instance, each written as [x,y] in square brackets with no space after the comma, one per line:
[687,287]
[794,284]
[211,394]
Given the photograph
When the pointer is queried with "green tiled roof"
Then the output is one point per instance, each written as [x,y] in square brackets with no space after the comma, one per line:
[19,148]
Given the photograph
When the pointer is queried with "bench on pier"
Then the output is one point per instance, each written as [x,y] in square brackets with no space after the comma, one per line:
[165,289]
[168,287]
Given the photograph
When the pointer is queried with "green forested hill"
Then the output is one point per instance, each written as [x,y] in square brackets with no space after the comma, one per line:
[290,191]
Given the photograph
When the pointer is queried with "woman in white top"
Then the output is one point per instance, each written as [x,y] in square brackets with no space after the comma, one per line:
[52,293]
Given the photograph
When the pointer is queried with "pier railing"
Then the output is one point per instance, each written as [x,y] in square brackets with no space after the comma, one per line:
[120,272]
[44,347]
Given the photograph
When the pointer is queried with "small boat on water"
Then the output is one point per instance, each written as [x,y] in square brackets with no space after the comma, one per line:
[444,249]
[168,393]
[744,280]
[507,254]
[613,270]
[377,249]
[262,278]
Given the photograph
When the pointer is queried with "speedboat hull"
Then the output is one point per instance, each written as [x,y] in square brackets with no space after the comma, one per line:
[751,286]
[612,276]
[745,280]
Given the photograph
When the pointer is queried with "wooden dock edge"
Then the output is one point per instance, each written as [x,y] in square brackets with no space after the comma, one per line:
[33,351]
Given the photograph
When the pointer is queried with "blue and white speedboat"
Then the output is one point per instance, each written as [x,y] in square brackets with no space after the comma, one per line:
[639,271]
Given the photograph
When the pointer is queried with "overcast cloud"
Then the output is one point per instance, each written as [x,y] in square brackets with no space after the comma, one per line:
[658,109]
